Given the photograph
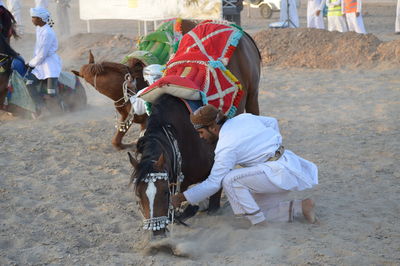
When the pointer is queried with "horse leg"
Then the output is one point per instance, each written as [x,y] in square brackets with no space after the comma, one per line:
[252,105]
[117,139]
[214,204]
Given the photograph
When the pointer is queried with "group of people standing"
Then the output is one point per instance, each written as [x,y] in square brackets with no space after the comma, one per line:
[343,15]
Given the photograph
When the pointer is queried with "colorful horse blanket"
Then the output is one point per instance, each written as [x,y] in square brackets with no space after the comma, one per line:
[157,47]
[198,69]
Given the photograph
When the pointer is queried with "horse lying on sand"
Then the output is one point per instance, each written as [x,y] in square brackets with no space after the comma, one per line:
[172,155]
[112,79]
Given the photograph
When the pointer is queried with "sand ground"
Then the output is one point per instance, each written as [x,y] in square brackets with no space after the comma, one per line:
[65,199]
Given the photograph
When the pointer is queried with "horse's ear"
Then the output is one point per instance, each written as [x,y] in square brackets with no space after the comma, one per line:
[160,163]
[91,57]
[133,161]
[76,73]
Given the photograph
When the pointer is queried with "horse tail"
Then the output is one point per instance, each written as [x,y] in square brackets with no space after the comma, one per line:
[255,44]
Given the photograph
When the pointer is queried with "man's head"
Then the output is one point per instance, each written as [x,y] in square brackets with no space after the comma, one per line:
[40,16]
[207,120]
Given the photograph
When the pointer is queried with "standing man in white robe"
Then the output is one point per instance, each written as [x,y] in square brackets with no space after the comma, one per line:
[268,170]
[336,20]
[15,8]
[397,27]
[63,16]
[45,64]
[42,3]
[315,17]
[352,10]
[293,18]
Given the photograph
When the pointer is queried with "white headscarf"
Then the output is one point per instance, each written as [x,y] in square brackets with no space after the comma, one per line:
[42,13]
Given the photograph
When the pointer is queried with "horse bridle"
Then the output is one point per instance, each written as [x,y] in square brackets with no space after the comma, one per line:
[4,61]
[123,126]
[157,223]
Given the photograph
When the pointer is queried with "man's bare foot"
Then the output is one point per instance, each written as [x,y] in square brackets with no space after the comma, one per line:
[261,224]
[308,210]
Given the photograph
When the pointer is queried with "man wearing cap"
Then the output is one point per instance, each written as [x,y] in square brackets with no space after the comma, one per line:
[269,171]
[45,64]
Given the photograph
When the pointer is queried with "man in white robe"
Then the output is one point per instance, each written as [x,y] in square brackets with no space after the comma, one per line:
[42,3]
[15,8]
[292,21]
[268,170]
[352,10]
[397,28]
[336,20]
[315,17]
[45,64]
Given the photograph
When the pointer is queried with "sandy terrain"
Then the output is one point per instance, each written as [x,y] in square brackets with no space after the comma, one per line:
[65,199]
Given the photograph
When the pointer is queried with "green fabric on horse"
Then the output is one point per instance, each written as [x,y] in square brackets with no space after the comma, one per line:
[21,96]
[156,47]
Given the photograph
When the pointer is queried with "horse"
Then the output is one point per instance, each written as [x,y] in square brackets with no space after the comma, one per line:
[73,98]
[171,148]
[108,79]
[7,24]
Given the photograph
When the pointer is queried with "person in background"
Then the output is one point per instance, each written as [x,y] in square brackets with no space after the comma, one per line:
[352,10]
[315,17]
[15,8]
[397,27]
[336,20]
[45,64]
[269,171]
[293,16]
[42,3]
[63,16]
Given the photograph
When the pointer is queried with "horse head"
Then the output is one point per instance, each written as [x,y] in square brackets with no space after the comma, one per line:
[152,180]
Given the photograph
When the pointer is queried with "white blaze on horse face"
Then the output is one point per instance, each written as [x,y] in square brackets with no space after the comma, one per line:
[151,192]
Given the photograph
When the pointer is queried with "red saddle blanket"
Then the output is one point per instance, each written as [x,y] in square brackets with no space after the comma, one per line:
[198,69]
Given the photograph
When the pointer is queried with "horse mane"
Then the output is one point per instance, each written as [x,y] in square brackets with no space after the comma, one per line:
[100,68]
[154,142]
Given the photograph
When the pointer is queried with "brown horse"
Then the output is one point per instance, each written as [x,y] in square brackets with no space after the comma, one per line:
[109,78]
[171,148]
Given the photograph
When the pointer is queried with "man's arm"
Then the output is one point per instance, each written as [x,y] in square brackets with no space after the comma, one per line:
[269,122]
[225,161]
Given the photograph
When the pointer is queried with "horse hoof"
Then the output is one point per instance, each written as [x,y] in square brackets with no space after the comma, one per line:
[213,210]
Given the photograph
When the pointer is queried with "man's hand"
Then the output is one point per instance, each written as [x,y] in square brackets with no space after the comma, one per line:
[357,14]
[177,200]
[318,12]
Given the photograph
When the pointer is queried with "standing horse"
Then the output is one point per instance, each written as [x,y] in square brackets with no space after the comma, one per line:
[108,79]
[171,148]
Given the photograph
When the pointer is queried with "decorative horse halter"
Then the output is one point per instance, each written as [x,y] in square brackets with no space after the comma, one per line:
[157,223]
[3,61]
[123,126]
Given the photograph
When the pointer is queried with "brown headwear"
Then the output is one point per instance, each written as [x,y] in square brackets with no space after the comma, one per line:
[205,116]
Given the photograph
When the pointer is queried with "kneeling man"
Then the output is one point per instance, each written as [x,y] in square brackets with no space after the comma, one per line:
[268,170]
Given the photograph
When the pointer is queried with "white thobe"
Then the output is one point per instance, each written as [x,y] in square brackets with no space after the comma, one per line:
[336,23]
[314,21]
[397,27]
[249,141]
[293,16]
[355,23]
[42,3]
[46,62]
[15,8]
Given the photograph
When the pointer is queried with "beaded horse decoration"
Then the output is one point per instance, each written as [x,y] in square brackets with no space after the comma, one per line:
[198,69]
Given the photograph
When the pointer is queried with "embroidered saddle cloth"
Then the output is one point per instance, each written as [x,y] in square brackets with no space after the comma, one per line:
[198,69]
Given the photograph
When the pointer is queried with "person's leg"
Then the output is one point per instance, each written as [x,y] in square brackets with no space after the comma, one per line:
[55,100]
[249,188]
[360,28]
[239,185]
